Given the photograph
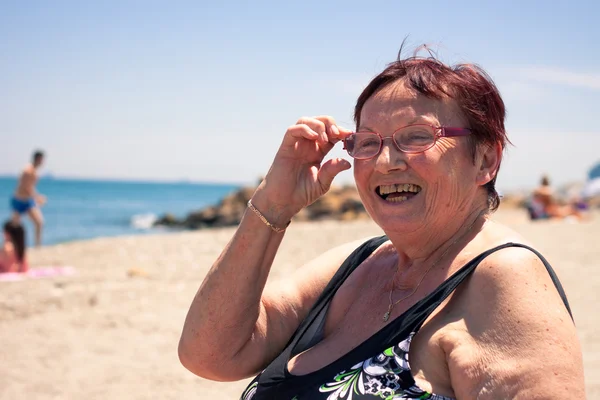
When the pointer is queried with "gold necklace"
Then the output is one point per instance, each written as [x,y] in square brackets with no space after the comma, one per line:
[386,316]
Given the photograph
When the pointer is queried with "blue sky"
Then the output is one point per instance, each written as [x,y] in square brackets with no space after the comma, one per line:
[204,91]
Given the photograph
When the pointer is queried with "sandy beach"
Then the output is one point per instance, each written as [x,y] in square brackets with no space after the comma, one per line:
[111,330]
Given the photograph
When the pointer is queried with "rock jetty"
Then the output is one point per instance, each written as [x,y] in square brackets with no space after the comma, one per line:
[339,203]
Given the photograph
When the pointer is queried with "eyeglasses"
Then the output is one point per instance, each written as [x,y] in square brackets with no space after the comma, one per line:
[409,139]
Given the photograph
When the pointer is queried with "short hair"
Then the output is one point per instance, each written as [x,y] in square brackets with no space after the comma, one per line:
[467,84]
[38,154]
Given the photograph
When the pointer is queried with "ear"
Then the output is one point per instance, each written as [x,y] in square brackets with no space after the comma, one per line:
[488,162]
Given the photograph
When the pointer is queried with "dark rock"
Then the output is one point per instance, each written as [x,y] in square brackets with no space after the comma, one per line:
[168,220]
[340,203]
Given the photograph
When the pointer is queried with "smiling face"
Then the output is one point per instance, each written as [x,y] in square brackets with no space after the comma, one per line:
[405,192]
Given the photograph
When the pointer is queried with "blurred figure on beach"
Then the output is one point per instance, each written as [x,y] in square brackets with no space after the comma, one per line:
[12,253]
[591,190]
[26,200]
[545,204]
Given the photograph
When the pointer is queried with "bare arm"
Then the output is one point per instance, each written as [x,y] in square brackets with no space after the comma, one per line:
[521,342]
[226,308]
[236,325]
[9,259]
[284,305]
[232,328]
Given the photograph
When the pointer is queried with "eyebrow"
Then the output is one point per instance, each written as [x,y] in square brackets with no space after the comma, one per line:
[418,118]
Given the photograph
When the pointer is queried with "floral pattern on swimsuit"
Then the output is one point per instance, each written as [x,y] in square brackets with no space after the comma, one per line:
[378,377]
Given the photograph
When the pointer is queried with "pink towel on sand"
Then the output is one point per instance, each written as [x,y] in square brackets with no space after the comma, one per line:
[37,272]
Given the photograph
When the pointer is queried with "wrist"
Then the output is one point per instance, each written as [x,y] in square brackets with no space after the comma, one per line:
[276,214]
[273,227]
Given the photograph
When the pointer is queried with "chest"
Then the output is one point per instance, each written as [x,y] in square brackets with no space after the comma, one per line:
[355,318]
[385,374]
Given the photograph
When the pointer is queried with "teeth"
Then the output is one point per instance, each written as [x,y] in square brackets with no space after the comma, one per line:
[401,187]
[398,199]
[387,189]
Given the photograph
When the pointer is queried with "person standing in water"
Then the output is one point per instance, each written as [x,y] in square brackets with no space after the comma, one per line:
[26,199]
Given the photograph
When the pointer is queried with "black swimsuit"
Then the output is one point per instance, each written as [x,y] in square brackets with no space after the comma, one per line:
[379,367]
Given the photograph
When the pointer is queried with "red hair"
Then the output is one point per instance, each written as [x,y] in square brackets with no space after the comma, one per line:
[467,84]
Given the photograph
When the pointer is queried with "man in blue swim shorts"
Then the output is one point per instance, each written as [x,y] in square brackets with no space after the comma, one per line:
[26,199]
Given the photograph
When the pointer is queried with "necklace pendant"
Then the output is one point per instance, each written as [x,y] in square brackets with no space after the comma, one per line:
[386,316]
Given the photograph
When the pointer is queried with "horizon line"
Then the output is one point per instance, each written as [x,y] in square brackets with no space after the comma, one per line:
[50,177]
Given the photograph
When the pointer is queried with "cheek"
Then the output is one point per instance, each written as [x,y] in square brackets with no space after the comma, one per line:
[448,180]
[362,171]
[429,166]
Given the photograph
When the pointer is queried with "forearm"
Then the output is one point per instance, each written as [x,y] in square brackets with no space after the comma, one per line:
[226,308]
[228,315]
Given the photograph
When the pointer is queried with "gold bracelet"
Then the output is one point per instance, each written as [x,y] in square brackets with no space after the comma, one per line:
[263,219]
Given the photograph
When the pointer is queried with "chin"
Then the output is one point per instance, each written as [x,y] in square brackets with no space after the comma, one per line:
[394,220]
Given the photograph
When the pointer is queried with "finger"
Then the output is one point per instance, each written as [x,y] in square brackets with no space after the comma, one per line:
[344,132]
[329,170]
[335,131]
[317,126]
[301,131]
[334,134]
[330,126]
[340,133]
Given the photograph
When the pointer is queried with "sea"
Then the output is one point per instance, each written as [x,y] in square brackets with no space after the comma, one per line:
[86,209]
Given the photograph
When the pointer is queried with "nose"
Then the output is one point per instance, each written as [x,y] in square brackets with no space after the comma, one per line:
[390,158]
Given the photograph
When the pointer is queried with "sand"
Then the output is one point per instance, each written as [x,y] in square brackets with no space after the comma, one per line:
[111,331]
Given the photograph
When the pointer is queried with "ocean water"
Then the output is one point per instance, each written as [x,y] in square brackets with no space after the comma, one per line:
[84,209]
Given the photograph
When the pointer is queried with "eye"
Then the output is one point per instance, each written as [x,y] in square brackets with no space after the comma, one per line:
[369,142]
[366,139]
[418,137]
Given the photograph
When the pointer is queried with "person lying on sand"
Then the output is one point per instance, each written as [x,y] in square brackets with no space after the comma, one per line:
[12,253]
[545,205]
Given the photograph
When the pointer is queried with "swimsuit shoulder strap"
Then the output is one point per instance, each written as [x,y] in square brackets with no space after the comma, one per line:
[434,300]
[311,328]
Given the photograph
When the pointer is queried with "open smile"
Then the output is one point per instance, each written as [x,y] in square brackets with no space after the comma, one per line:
[398,193]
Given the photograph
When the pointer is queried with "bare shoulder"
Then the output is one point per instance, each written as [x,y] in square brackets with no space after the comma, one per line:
[543,190]
[8,250]
[519,340]
[515,278]
[28,172]
[7,256]
[304,286]
[285,302]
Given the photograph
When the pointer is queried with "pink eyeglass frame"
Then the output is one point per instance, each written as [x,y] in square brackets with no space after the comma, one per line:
[440,131]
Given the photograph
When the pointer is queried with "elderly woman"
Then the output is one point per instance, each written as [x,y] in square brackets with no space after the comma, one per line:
[448,304]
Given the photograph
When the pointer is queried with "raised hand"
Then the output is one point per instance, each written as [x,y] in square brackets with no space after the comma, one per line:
[297,176]
[40,200]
